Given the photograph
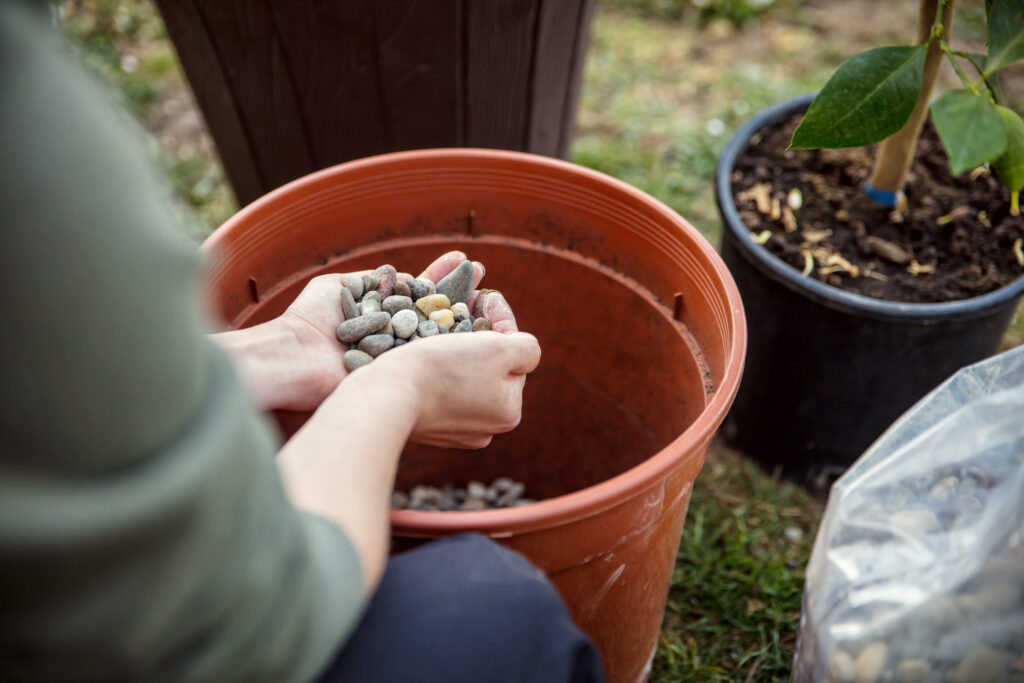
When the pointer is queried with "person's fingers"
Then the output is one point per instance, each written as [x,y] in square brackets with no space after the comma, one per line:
[493,306]
[524,352]
[478,274]
[443,265]
[467,440]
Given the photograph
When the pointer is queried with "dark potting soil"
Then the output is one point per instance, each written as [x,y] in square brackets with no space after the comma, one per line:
[953,239]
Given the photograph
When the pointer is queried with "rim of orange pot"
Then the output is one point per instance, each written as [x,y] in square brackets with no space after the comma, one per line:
[594,499]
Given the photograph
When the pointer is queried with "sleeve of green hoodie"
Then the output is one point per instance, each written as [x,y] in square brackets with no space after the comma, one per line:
[144,531]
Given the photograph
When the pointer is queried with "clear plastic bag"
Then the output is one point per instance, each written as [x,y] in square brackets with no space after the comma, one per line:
[917,573]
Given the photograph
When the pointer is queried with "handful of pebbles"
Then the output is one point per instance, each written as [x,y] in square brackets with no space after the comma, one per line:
[382,313]
[502,493]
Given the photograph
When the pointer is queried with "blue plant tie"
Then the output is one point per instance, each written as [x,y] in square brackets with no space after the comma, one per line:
[883,197]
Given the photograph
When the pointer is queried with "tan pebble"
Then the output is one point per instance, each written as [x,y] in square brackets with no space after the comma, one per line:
[481,325]
[354,359]
[1000,596]
[427,495]
[348,304]
[944,490]
[460,309]
[354,284]
[981,665]
[970,607]
[443,318]
[376,344]
[869,663]
[386,276]
[840,667]
[912,671]
[399,500]
[355,329]
[914,521]
[402,289]
[369,283]
[476,489]
[368,305]
[433,302]
[473,504]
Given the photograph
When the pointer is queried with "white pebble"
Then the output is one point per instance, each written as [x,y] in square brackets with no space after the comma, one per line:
[404,323]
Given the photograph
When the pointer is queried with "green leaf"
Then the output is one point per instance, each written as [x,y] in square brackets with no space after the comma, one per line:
[978,61]
[1010,164]
[1005,34]
[868,98]
[971,129]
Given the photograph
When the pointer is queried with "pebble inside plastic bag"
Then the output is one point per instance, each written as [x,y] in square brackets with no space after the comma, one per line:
[917,572]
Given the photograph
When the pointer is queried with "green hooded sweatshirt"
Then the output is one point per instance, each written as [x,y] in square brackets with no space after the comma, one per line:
[144,530]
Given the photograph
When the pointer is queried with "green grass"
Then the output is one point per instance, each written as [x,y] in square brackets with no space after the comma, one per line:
[736,590]
[666,83]
[125,43]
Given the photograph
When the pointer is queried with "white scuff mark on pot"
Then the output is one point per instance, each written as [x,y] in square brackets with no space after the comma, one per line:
[684,491]
[651,514]
[599,594]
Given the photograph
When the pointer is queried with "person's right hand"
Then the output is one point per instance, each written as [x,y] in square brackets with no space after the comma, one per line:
[468,387]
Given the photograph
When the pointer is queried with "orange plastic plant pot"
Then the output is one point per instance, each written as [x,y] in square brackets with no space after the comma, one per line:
[643,341]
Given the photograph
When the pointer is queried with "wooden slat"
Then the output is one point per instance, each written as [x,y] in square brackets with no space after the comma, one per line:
[206,76]
[576,81]
[498,36]
[418,50]
[557,74]
[260,79]
[330,46]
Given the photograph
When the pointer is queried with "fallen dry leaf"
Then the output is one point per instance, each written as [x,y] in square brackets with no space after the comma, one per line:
[890,251]
[814,236]
[761,193]
[788,219]
[916,268]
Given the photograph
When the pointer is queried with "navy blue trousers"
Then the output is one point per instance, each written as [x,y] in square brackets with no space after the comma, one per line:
[465,609]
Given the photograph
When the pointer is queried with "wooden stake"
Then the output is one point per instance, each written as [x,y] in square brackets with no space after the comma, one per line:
[896,153]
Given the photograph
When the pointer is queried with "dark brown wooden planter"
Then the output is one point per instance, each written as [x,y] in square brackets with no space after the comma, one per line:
[290,87]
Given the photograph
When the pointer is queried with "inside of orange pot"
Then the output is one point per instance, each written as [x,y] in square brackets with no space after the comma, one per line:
[619,378]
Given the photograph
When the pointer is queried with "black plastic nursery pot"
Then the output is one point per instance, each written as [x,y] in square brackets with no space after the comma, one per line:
[827,371]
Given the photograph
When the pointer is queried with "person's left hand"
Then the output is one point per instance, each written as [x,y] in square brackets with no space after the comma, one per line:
[294,361]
